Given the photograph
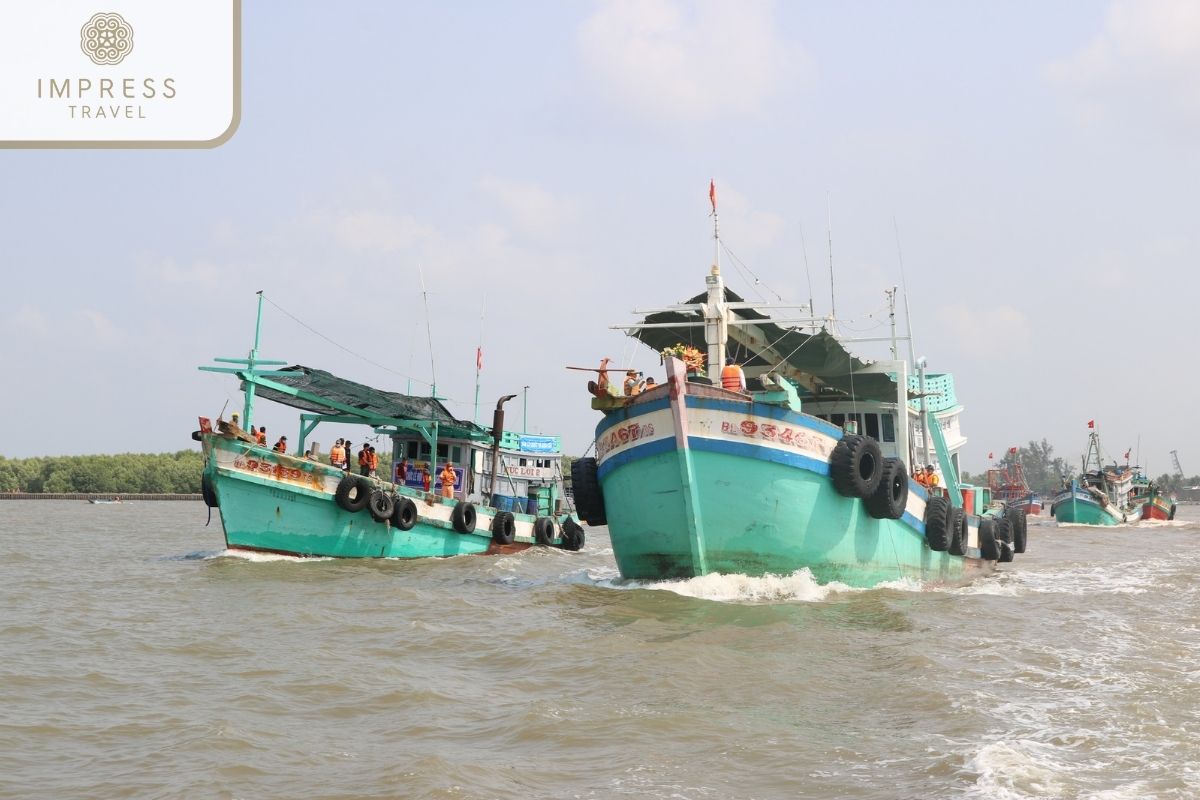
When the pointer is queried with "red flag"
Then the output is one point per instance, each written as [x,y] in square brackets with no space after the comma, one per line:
[712,194]
[991,456]
[478,358]
[1091,423]
[1012,450]
[1127,452]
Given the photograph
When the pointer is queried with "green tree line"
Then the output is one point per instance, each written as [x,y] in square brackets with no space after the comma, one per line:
[127,473]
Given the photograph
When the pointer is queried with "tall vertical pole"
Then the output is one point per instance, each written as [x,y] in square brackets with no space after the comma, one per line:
[716,323]
[248,408]
[525,410]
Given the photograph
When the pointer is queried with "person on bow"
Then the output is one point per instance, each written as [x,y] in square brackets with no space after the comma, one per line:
[732,377]
[281,445]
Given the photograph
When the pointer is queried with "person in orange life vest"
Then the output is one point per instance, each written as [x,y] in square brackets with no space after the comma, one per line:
[336,454]
[347,449]
[931,478]
[281,445]
[372,461]
[402,472]
[364,459]
[732,377]
[632,385]
[448,477]
[426,480]
[262,436]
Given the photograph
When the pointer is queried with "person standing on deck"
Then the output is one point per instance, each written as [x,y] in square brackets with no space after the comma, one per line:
[336,454]
[632,385]
[372,461]
[426,479]
[364,459]
[448,477]
[732,377]
[261,437]
[347,449]
[281,445]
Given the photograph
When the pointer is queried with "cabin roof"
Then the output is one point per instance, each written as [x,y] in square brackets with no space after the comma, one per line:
[819,355]
[321,392]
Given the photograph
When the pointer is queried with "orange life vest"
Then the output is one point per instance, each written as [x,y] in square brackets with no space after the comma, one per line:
[336,454]
[448,477]
[374,459]
[731,378]
[364,457]
[262,437]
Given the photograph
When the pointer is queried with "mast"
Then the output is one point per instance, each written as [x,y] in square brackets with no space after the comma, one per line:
[248,408]
[716,314]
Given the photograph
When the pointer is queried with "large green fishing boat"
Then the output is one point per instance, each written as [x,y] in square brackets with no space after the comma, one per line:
[506,494]
[805,469]
[1101,495]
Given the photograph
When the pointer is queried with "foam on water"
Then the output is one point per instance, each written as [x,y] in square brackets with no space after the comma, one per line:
[800,586]
[257,557]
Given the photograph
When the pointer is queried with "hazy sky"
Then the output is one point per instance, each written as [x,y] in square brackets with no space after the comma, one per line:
[546,164]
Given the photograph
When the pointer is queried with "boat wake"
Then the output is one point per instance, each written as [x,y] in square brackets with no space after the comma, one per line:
[800,586]
[255,557]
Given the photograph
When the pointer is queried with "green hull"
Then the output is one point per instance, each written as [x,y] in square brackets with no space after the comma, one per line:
[1073,509]
[281,504]
[755,517]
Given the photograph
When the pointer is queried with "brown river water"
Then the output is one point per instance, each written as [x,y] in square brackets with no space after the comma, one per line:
[138,659]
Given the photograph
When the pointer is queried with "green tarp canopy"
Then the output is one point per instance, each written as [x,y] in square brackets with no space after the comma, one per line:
[818,361]
[323,393]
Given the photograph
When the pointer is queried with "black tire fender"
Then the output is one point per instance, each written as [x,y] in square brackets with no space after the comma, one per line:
[989,550]
[404,514]
[351,494]
[543,530]
[1020,527]
[208,491]
[937,524]
[381,505]
[891,495]
[958,532]
[504,528]
[1004,531]
[463,517]
[585,487]
[572,535]
[855,466]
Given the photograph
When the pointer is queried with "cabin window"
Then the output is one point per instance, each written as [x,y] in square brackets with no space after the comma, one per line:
[521,462]
[410,448]
[456,454]
[872,428]
[423,451]
[889,428]
[443,451]
[838,419]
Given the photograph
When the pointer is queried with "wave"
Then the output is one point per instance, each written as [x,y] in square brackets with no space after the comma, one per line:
[800,586]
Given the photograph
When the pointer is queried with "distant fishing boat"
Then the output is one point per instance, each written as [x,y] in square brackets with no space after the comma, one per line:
[1008,485]
[1099,495]
[1149,500]
[806,469]
[506,494]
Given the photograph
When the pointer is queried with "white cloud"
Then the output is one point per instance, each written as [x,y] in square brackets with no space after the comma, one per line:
[533,210]
[978,328]
[375,231]
[29,320]
[673,61]
[1147,56]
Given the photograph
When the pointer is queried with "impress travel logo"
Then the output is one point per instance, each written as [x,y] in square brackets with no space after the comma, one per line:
[78,80]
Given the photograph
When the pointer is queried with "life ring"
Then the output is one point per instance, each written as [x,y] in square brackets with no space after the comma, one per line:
[504,528]
[381,505]
[937,524]
[891,495]
[543,530]
[352,494]
[855,466]
[988,549]
[463,517]
[585,487]
[404,514]
[572,535]
[208,491]
[958,532]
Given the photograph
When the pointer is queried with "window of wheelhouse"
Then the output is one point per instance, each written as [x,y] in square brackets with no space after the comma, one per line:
[872,425]
[889,428]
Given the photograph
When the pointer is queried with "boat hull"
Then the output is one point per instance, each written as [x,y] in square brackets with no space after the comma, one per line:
[746,490]
[1077,507]
[275,503]
[1158,507]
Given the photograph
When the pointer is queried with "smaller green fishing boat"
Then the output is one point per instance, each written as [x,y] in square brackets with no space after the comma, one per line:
[1100,495]
[505,495]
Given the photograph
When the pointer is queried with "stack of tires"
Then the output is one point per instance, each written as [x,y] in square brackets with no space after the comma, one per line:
[858,469]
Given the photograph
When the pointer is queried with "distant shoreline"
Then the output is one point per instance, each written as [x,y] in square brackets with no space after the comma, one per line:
[93,496]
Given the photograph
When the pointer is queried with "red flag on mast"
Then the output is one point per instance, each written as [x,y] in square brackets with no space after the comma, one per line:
[991,456]
[1091,423]
[712,194]
[478,358]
